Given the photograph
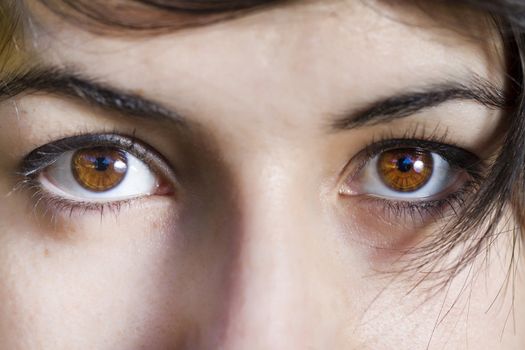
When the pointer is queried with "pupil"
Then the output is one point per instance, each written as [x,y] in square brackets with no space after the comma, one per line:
[102,163]
[405,164]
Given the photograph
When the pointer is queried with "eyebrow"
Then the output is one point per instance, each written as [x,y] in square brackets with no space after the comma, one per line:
[409,103]
[70,83]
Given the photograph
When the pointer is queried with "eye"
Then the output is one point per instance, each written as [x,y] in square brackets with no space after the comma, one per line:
[115,170]
[100,169]
[408,174]
[99,174]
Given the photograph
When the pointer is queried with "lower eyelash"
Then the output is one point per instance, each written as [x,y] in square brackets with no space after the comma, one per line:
[423,211]
[48,204]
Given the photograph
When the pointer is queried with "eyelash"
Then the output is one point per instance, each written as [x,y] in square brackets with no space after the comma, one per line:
[423,210]
[457,157]
[39,159]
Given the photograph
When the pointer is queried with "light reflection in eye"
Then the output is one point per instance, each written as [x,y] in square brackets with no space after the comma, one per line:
[100,174]
[405,170]
[99,169]
[405,174]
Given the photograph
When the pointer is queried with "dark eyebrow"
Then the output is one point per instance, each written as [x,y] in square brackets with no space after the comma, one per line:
[70,83]
[408,103]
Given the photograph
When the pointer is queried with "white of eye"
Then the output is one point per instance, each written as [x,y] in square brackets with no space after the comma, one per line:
[59,180]
[442,177]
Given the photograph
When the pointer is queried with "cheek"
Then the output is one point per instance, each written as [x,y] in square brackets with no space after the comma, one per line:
[77,275]
[91,284]
[382,233]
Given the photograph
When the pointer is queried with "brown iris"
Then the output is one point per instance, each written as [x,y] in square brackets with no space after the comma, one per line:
[405,170]
[99,169]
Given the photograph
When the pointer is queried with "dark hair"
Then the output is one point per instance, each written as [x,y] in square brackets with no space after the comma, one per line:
[151,15]
[503,187]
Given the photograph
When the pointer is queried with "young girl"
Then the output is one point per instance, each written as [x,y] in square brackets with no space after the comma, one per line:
[251,174]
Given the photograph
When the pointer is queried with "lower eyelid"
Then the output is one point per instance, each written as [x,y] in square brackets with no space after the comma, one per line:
[397,226]
[41,168]
[457,160]
[56,209]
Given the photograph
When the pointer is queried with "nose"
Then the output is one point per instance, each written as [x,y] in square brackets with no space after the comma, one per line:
[281,293]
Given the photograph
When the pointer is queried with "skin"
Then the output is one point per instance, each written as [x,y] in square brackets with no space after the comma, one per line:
[256,249]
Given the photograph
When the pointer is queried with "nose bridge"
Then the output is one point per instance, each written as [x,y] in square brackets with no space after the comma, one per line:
[273,304]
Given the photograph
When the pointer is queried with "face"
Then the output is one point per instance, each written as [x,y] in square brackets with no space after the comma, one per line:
[258,183]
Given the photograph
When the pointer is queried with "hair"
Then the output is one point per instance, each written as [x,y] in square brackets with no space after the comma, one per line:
[120,16]
[474,226]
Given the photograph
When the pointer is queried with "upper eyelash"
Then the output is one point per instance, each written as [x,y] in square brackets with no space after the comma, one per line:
[417,137]
[44,156]
[456,156]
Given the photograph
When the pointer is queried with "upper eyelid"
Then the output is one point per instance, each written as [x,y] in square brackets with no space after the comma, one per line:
[433,145]
[437,146]
[44,156]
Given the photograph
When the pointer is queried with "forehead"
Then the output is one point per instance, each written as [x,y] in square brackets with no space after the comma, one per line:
[301,59]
